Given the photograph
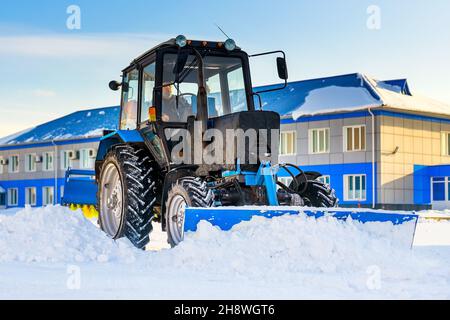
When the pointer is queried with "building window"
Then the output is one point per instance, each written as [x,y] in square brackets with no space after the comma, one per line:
[319,140]
[445,142]
[47,196]
[288,143]
[13,164]
[440,188]
[1,165]
[324,180]
[30,196]
[285,180]
[13,197]
[48,161]
[66,162]
[86,159]
[30,163]
[355,138]
[355,187]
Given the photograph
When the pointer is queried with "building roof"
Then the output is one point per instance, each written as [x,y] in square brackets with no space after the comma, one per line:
[80,124]
[337,94]
[345,93]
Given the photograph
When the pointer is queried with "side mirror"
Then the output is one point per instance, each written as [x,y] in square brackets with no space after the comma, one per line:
[282,68]
[114,85]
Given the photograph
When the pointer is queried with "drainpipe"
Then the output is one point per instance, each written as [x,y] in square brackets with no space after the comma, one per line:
[373,159]
[55,169]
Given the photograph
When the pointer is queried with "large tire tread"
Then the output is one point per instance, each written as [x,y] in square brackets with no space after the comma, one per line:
[196,193]
[137,173]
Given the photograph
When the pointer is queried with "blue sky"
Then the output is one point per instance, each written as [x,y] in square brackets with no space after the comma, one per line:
[49,70]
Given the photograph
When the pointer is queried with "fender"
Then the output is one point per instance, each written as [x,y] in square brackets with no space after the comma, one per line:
[112,139]
[117,137]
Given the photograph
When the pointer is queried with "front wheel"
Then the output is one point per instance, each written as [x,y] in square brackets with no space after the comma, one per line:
[186,192]
[126,194]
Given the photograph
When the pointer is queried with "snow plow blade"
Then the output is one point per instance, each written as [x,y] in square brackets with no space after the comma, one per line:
[226,218]
[80,192]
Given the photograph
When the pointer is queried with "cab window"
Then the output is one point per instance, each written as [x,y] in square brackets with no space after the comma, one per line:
[129,101]
[147,91]
[225,86]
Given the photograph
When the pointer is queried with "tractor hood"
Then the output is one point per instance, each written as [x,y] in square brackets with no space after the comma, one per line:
[258,128]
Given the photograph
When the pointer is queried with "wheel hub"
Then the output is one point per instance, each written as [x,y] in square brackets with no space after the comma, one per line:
[177,209]
[111,200]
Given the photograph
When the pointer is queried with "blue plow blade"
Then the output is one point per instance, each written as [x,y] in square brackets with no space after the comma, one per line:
[225,218]
[80,188]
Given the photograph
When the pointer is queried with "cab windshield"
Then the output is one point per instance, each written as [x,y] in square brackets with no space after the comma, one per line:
[225,86]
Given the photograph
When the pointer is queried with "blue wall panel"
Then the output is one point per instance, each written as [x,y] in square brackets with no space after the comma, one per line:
[422,181]
[38,184]
[337,172]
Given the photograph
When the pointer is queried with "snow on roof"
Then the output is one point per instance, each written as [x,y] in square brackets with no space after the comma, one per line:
[80,124]
[2,190]
[344,93]
[410,102]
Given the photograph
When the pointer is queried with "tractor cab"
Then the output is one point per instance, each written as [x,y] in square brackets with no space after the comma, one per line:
[181,82]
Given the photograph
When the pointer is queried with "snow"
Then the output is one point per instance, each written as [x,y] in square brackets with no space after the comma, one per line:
[394,99]
[7,139]
[348,93]
[81,124]
[68,238]
[95,133]
[335,99]
[286,257]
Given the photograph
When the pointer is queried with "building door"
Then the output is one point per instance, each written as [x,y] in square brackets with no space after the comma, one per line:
[440,189]
[2,199]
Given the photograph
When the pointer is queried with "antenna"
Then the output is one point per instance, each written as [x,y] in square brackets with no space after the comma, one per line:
[221,30]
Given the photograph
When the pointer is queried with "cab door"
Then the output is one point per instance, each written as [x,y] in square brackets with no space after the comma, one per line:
[147,123]
[130,97]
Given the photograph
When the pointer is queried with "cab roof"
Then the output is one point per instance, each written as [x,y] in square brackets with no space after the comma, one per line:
[202,44]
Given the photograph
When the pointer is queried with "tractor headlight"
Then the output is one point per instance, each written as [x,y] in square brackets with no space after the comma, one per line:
[181,41]
[230,45]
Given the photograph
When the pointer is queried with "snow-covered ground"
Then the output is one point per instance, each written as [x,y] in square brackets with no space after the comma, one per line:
[55,253]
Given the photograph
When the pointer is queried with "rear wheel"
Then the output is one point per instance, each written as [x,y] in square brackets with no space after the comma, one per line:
[186,192]
[316,193]
[127,194]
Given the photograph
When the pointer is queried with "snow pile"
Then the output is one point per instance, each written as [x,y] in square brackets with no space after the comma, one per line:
[285,257]
[293,249]
[56,234]
[444,214]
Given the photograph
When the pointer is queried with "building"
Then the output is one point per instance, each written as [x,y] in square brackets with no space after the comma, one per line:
[33,162]
[376,143]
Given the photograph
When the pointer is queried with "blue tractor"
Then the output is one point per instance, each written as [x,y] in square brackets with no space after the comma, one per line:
[171,95]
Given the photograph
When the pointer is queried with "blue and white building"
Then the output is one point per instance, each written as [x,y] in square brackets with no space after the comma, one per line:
[33,163]
[377,144]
